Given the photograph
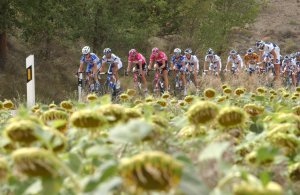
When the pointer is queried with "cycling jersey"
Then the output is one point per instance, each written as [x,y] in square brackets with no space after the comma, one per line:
[251,58]
[193,61]
[177,62]
[269,47]
[93,59]
[137,58]
[235,61]
[213,61]
[289,64]
[112,60]
[160,58]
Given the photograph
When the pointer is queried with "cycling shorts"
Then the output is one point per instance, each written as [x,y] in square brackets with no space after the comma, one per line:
[90,66]
[144,66]
[166,65]
[180,67]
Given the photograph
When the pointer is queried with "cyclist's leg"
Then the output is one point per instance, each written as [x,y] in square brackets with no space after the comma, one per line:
[165,76]
[115,73]
[294,79]
[144,66]
[195,76]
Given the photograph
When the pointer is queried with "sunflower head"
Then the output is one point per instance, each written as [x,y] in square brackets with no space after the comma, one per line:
[131,92]
[88,119]
[227,90]
[150,171]
[188,99]
[253,109]
[149,99]
[132,113]
[8,104]
[66,105]
[91,97]
[209,93]
[54,114]
[114,113]
[162,102]
[35,162]
[202,112]
[231,117]
[224,86]
[52,105]
[261,90]
[136,102]
[22,131]
[166,95]
[124,96]
[239,91]
[191,131]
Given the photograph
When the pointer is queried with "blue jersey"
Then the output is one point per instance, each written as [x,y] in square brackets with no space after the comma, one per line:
[177,61]
[91,60]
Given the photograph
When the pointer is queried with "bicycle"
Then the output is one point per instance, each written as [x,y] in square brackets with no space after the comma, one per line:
[158,83]
[137,81]
[85,86]
[109,85]
[178,87]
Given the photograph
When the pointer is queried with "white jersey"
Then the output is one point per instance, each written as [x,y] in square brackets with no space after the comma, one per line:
[269,47]
[213,62]
[235,61]
[192,61]
[113,59]
[291,63]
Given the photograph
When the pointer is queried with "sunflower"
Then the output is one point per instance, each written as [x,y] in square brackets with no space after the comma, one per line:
[150,171]
[202,112]
[231,117]
[209,93]
[88,119]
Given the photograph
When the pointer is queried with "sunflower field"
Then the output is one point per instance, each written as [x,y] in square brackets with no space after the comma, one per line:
[225,141]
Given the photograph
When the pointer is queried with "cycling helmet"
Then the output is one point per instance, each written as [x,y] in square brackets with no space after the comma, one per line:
[250,51]
[107,50]
[177,51]
[188,50]
[132,52]
[287,57]
[210,52]
[86,50]
[260,45]
[233,52]
[155,50]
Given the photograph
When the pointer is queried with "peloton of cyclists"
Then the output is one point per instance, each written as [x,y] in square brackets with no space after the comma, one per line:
[114,64]
[177,64]
[234,62]
[139,62]
[93,64]
[212,62]
[192,63]
[160,61]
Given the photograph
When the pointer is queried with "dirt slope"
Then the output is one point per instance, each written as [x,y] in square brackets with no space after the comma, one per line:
[278,21]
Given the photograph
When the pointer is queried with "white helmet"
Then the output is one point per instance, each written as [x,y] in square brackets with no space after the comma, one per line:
[86,50]
[107,50]
[177,51]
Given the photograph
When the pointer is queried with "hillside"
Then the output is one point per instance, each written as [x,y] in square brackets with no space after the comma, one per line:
[278,21]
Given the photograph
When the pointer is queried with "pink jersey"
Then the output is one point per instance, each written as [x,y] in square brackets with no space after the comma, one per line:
[137,58]
[161,57]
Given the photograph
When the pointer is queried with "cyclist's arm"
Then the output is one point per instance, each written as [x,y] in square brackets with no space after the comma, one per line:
[128,67]
[80,66]
[102,66]
[150,64]
[228,65]
[172,66]
[260,58]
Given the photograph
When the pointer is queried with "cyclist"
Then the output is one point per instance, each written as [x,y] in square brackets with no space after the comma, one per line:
[267,62]
[234,62]
[114,63]
[251,59]
[192,63]
[290,68]
[93,64]
[297,60]
[213,61]
[177,64]
[139,62]
[161,62]
[274,50]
